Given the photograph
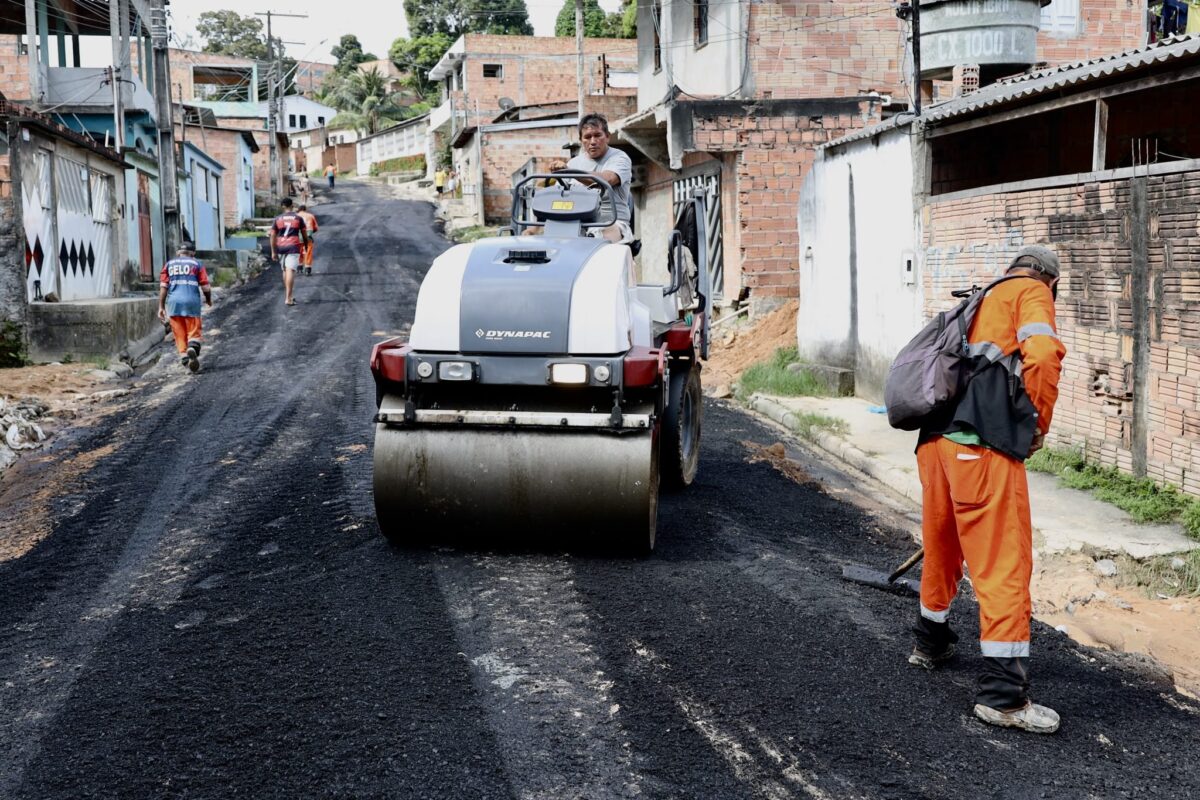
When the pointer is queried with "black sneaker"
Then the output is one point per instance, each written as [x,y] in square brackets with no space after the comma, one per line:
[193,364]
[193,349]
[185,360]
[308,270]
[919,658]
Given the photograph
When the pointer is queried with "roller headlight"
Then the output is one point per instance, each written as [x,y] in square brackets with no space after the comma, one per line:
[456,370]
[569,373]
[424,369]
[602,373]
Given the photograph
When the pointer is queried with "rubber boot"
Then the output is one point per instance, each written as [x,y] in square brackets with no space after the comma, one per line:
[1003,697]
[935,643]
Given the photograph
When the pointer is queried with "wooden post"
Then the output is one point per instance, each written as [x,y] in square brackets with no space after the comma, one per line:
[1100,141]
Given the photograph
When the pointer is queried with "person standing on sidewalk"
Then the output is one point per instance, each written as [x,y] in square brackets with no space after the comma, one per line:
[181,283]
[310,228]
[975,495]
[288,240]
[439,181]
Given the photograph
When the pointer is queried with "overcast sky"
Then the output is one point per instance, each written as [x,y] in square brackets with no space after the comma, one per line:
[375,24]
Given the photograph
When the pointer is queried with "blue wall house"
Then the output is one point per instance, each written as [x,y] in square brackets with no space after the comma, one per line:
[201,185]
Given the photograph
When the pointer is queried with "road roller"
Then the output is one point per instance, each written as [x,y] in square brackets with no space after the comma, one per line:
[542,388]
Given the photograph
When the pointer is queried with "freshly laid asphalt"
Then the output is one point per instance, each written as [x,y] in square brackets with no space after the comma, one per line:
[214,614]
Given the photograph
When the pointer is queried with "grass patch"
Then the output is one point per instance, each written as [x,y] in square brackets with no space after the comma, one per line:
[12,345]
[773,377]
[401,164]
[99,362]
[251,233]
[1141,498]
[1169,576]
[807,422]
[224,278]
[473,233]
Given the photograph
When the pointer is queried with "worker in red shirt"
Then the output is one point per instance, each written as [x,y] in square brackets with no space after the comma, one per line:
[182,281]
[311,227]
[288,240]
[976,499]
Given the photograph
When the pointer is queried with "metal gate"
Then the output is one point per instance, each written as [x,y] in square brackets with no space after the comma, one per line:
[711,184]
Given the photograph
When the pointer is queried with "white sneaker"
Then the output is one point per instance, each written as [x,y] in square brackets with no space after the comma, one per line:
[1033,718]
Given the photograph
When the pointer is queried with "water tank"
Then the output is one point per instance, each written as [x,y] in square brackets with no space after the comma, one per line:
[998,35]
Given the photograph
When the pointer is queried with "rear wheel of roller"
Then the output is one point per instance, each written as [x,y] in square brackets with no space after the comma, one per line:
[681,429]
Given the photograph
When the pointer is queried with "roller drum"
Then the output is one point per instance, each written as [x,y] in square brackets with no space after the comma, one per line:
[599,485]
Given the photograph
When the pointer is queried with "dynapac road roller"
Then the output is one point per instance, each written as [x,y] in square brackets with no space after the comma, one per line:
[542,388]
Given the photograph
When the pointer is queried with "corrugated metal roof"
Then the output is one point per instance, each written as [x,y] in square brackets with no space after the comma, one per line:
[891,123]
[1031,84]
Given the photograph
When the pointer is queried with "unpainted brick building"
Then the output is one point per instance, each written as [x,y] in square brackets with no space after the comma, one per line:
[757,87]
[1100,161]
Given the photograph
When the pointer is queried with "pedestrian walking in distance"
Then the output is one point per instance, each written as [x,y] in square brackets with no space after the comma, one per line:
[181,283]
[310,228]
[971,461]
[330,174]
[289,237]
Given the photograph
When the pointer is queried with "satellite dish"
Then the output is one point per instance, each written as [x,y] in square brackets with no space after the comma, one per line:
[506,103]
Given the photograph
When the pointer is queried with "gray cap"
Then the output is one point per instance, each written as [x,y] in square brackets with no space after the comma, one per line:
[1038,257]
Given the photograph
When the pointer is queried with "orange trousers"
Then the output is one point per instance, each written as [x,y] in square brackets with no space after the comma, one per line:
[184,329]
[976,508]
[306,258]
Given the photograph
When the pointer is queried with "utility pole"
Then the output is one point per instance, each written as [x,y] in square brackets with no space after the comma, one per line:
[168,176]
[274,103]
[115,74]
[916,47]
[579,49]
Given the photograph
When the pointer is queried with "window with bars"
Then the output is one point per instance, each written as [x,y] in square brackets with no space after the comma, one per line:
[700,16]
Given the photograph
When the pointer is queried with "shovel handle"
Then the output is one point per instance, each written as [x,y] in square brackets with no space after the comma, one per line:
[913,560]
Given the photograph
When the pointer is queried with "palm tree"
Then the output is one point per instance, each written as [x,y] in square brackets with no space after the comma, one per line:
[364,101]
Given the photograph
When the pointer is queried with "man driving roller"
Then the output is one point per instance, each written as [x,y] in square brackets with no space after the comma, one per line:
[610,165]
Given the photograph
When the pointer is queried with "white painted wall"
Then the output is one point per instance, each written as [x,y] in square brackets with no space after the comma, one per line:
[403,140]
[889,298]
[713,69]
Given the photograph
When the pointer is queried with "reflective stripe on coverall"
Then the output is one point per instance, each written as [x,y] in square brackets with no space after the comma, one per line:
[976,502]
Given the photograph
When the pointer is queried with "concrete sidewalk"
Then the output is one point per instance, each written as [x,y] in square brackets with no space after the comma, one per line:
[1063,519]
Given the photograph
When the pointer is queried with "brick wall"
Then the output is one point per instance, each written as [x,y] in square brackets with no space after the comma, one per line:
[505,152]
[1091,227]
[537,70]
[773,155]
[1105,27]
[14,70]
[806,48]
[182,62]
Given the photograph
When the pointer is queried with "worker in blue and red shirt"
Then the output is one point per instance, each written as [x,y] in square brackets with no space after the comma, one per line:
[289,238]
[181,283]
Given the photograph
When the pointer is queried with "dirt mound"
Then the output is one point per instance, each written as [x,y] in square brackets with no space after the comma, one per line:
[734,349]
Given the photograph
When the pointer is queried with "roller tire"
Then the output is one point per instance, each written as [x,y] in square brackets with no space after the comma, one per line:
[681,429]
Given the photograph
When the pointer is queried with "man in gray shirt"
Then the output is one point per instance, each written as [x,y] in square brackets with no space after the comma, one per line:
[610,165]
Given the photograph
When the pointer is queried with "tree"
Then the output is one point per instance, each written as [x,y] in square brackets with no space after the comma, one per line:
[229,33]
[505,17]
[427,17]
[417,56]
[596,23]
[364,101]
[349,54]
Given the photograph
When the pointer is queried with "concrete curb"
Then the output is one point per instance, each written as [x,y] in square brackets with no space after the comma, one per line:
[897,480]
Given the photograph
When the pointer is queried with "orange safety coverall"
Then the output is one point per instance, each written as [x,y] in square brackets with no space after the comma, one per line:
[310,224]
[976,499]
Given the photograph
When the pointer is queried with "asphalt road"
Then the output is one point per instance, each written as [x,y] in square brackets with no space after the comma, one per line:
[214,614]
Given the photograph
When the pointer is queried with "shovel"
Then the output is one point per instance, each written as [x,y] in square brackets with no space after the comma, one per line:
[895,582]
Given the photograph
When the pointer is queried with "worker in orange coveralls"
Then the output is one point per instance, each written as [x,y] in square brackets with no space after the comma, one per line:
[976,500]
[311,226]
[182,281]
